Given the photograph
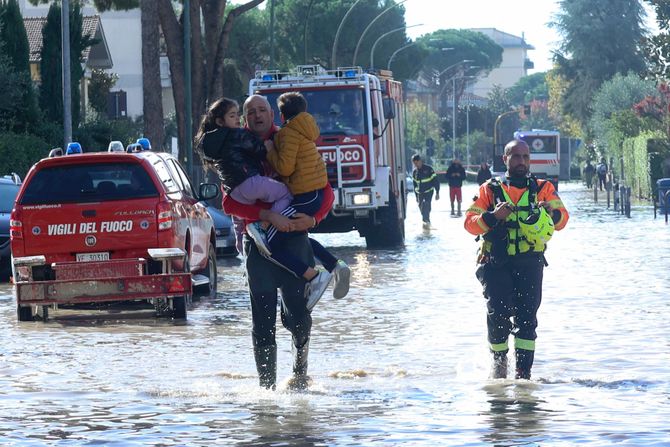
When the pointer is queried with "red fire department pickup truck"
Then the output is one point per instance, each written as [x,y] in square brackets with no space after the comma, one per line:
[102,227]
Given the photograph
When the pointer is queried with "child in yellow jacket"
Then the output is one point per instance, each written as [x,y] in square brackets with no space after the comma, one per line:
[296,159]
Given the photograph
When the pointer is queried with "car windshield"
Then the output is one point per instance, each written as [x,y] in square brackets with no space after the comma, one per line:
[336,111]
[89,183]
[7,197]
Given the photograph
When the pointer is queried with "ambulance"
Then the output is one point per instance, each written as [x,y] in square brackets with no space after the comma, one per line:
[361,118]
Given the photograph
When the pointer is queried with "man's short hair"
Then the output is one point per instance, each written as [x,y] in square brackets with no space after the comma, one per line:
[514,143]
[245,105]
[291,103]
[416,157]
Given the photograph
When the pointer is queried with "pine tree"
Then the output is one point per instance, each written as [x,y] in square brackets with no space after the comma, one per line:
[51,90]
[51,101]
[15,48]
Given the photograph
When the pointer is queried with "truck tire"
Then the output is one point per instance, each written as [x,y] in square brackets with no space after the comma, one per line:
[210,272]
[179,308]
[180,303]
[24,313]
[390,232]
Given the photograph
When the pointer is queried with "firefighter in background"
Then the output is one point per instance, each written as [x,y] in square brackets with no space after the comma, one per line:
[425,183]
[514,216]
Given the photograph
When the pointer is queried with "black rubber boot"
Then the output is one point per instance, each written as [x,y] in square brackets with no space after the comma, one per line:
[266,365]
[524,363]
[300,379]
[499,365]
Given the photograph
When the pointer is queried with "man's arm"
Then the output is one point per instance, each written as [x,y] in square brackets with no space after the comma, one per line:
[478,220]
[549,199]
[255,213]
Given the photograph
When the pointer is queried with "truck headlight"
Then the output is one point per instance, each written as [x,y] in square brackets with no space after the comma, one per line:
[361,199]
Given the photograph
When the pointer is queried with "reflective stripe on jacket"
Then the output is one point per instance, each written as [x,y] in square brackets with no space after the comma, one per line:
[425,180]
[475,222]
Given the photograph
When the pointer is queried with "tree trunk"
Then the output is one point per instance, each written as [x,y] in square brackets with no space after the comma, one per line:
[198,68]
[151,77]
[216,81]
[173,33]
[205,87]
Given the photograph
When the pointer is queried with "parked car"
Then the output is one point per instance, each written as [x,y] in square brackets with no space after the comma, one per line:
[9,188]
[104,227]
[225,232]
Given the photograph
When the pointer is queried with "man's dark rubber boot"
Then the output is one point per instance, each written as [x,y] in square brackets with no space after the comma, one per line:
[499,365]
[524,363]
[300,380]
[266,365]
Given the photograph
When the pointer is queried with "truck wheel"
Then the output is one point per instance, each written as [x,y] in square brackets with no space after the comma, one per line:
[210,272]
[180,303]
[25,313]
[390,232]
[179,308]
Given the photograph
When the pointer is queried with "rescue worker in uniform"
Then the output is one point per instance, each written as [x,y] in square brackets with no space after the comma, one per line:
[514,217]
[425,183]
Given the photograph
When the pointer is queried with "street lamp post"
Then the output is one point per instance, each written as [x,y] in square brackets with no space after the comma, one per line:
[67,84]
[337,35]
[374,45]
[360,40]
[388,65]
[453,113]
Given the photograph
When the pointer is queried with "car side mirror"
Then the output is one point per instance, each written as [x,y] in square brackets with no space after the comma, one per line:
[208,191]
[375,122]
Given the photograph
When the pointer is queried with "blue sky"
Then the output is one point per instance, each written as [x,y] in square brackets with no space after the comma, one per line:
[527,17]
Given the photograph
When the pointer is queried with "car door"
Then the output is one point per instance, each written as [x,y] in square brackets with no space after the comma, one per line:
[196,212]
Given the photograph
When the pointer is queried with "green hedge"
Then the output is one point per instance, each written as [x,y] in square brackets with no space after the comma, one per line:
[643,158]
[18,152]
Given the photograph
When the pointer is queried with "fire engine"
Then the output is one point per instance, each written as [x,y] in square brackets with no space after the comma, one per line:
[361,118]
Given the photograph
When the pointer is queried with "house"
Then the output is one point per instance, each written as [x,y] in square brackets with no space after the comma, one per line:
[515,62]
[123,43]
[96,56]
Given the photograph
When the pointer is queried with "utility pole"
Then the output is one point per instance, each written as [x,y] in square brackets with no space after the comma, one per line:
[188,115]
[67,75]
[272,34]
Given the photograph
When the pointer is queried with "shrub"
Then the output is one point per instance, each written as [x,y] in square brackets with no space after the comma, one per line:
[18,152]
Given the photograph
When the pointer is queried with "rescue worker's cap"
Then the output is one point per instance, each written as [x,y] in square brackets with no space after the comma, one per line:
[73,148]
[145,143]
[537,228]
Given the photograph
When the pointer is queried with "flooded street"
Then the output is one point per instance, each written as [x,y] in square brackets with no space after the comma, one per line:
[402,360]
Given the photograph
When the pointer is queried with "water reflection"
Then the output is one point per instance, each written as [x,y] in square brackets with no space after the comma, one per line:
[516,416]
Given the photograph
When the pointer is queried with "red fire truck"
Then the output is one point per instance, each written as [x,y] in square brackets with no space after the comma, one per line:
[361,117]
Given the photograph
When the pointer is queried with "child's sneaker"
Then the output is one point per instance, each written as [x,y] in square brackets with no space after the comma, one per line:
[315,288]
[342,275]
[259,236]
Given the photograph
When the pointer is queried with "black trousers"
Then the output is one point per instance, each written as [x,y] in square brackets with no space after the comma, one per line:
[513,292]
[424,199]
[264,278]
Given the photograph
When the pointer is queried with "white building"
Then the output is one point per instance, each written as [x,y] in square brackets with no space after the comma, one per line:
[515,62]
[123,33]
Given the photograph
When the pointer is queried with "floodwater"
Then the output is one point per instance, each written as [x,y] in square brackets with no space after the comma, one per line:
[402,360]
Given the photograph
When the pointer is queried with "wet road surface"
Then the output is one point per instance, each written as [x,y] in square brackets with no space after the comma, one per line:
[402,360]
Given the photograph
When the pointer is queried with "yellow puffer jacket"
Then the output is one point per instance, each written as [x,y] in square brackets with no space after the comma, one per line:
[296,158]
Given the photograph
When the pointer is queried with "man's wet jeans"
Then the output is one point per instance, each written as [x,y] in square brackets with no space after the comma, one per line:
[264,278]
[513,292]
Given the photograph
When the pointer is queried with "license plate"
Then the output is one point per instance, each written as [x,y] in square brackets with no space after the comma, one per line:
[91,257]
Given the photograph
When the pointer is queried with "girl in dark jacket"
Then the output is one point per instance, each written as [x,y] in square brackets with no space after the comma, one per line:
[236,155]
